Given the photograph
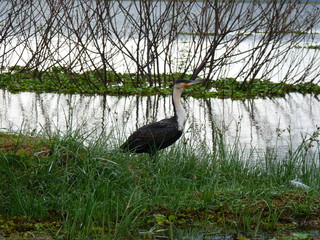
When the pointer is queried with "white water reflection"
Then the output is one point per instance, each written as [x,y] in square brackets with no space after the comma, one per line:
[257,123]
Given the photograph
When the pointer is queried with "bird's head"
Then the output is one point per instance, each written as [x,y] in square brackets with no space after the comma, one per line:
[183,83]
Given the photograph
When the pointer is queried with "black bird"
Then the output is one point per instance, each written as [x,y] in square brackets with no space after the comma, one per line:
[156,136]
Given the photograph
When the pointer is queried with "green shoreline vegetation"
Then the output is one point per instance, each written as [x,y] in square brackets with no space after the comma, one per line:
[64,187]
[59,80]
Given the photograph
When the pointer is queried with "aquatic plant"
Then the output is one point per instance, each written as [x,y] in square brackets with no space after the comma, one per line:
[57,80]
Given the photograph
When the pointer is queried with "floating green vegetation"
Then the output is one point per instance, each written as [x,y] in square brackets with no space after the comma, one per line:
[199,33]
[229,87]
[60,80]
[60,188]
[297,32]
[89,82]
[315,47]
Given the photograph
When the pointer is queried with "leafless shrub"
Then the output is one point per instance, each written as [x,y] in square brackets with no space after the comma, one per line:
[152,40]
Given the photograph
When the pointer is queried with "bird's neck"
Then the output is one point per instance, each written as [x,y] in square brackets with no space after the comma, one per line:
[179,112]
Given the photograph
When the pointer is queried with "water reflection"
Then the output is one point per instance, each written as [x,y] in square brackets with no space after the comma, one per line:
[256,123]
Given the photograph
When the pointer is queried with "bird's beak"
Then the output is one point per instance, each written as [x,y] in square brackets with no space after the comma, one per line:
[191,83]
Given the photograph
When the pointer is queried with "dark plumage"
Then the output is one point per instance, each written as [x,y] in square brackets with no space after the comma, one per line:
[153,137]
[156,136]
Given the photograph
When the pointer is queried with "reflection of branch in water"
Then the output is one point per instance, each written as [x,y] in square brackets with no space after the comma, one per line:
[252,114]
[214,128]
[148,109]
[44,110]
[304,106]
[120,115]
[103,117]
[265,123]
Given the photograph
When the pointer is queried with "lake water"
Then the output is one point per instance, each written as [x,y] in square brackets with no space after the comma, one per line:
[260,124]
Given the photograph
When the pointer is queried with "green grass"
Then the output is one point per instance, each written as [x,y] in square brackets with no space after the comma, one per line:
[66,187]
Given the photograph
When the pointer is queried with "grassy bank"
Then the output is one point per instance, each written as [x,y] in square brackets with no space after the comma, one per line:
[56,186]
[60,80]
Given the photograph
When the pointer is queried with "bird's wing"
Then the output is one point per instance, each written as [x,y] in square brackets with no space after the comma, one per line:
[156,135]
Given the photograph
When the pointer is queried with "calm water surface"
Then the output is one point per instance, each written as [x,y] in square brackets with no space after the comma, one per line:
[260,124]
